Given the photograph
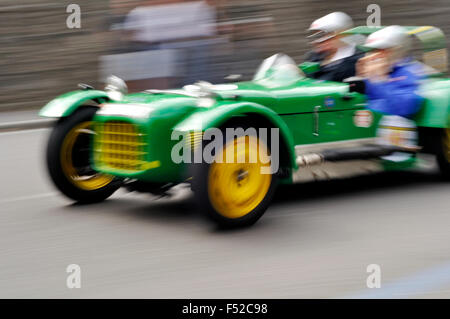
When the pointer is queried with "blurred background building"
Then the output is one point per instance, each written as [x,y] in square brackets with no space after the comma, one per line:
[164,43]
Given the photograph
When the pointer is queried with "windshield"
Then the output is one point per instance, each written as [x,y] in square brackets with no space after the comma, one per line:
[278,67]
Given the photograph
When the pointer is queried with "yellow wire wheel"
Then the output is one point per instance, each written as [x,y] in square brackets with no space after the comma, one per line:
[237,187]
[85,182]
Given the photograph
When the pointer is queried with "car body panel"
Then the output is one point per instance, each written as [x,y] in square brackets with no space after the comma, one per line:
[165,114]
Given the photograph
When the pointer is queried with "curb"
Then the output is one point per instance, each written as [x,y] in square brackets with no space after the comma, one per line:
[26,125]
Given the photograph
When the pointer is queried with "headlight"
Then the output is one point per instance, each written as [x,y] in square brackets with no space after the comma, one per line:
[116,88]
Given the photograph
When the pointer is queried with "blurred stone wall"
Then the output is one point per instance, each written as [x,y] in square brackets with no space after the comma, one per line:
[41,57]
[294,17]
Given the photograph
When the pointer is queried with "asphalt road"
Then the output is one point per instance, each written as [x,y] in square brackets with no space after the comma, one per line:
[315,241]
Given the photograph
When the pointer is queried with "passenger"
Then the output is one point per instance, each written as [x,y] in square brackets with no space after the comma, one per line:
[336,56]
[392,77]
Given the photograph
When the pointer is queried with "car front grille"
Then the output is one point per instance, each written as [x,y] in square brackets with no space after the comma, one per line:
[120,145]
[195,139]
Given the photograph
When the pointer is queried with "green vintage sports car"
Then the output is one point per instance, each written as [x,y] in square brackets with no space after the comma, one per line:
[106,139]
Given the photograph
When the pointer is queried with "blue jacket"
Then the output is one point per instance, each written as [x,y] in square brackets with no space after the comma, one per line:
[397,96]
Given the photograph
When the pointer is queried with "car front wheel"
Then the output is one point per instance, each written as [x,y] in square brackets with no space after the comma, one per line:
[237,193]
[69,160]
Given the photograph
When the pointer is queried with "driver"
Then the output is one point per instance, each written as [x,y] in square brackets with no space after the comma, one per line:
[392,77]
[336,55]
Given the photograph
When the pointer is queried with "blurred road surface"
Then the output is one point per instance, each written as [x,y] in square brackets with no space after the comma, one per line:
[316,239]
[19,116]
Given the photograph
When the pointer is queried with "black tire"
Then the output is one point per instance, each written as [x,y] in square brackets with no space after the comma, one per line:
[56,168]
[443,153]
[200,187]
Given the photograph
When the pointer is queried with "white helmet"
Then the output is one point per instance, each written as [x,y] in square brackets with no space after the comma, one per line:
[393,36]
[331,24]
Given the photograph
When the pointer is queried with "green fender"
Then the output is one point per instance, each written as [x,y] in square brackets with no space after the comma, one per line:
[67,103]
[436,109]
[218,115]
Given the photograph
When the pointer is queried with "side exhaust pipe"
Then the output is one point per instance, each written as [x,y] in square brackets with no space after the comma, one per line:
[355,153]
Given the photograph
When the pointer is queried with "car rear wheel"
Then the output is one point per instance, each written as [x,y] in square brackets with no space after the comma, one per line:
[235,194]
[443,154]
[69,160]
